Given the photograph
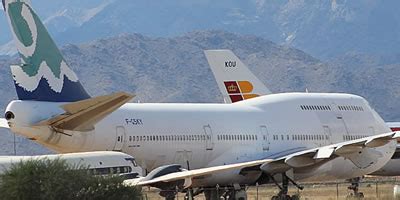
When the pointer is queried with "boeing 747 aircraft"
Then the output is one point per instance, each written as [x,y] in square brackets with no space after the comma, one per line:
[230,73]
[291,136]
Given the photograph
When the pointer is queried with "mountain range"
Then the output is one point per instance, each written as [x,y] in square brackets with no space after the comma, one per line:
[323,29]
[174,69]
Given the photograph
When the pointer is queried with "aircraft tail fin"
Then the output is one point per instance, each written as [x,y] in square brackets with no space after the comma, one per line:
[43,75]
[235,81]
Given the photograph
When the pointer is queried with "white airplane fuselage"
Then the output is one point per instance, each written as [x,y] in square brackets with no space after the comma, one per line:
[203,135]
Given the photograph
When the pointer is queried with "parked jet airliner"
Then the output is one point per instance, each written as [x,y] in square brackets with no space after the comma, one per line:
[240,74]
[230,72]
[299,136]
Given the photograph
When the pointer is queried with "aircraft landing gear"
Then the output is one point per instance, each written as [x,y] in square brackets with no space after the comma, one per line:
[212,193]
[189,194]
[283,193]
[168,195]
[355,184]
[235,193]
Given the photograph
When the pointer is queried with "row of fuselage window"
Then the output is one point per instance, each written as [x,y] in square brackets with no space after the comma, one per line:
[328,108]
[351,108]
[315,137]
[193,138]
[169,138]
[307,107]
[353,137]
[301,137]
[110,170]
[239,137]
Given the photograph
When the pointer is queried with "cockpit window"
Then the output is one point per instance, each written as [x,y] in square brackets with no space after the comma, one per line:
[132,160]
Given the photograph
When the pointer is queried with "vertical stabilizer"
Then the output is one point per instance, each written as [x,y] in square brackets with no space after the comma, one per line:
[43,75]
[235,81]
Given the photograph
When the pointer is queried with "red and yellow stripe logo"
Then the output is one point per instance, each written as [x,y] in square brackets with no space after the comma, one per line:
[239,90]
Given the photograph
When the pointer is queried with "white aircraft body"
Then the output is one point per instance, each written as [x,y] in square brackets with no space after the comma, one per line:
[226,76]
[300,136]
[392,166]
[99,163]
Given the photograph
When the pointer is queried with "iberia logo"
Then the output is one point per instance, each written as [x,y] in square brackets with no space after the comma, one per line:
[239,90]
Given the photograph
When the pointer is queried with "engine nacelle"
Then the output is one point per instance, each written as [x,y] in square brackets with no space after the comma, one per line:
[164,170]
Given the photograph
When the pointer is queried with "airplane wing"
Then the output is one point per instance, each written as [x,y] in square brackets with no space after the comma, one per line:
[82,115]
[348,149]
[3,123]
[196,172]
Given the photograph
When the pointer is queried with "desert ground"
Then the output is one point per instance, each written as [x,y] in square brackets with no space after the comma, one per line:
[373,189]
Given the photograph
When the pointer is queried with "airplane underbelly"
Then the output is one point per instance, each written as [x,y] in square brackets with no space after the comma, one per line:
[226,178]
[390,169]
[368,161]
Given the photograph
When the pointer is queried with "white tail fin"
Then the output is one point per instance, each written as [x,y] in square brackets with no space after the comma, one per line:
[235,81]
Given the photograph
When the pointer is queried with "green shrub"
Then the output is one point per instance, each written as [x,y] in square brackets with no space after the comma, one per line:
[55,179]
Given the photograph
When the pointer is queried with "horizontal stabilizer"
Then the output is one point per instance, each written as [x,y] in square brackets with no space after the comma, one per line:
[83,115]
[3,123]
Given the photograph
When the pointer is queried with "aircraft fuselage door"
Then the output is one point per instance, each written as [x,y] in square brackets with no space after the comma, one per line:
[208,137]
[327,135]
[119,138]
[265,138]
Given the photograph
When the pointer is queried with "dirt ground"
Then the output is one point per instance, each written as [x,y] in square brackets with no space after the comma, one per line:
[373,189]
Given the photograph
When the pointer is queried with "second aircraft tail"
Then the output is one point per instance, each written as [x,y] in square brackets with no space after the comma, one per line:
[235,81]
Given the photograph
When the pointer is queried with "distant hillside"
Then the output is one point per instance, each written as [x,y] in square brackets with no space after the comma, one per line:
[175,70]
[324,29]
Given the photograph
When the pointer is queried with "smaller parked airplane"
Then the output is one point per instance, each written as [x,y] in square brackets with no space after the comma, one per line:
[98,163]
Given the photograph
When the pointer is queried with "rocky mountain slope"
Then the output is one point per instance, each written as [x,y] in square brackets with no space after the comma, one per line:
[175,69]
[324,29]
